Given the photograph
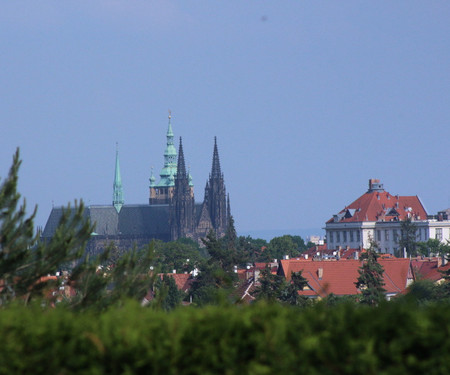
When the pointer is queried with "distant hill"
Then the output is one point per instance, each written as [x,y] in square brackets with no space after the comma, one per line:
[268,234]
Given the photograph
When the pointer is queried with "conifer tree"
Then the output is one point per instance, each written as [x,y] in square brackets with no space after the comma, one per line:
[24,260]
[290,293]
[230,235]
[408,237]
[370,281]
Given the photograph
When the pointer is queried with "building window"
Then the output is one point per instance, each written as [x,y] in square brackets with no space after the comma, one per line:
[344,236]
[439,234]
[331,237]
[338,236]
[358,236]
[386,234]
[378,235]
[395,234]
[351,236]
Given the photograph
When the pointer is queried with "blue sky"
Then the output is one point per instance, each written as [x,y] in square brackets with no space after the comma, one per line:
[308,100]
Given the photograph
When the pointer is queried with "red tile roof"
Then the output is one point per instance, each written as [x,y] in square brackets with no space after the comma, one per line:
[381,206]
[429,268]
[182,280]
[339,277]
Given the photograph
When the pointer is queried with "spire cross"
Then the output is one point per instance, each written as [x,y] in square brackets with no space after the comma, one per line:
[170,114]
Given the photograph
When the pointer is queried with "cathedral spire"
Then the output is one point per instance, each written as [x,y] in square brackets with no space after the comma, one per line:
[181,167]
[215,170]
[117,186]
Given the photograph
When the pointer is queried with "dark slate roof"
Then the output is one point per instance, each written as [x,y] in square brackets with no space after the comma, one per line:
[53,221]
[133,220]
[142,220]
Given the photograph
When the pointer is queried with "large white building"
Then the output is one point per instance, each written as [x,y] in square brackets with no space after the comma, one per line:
[377,215]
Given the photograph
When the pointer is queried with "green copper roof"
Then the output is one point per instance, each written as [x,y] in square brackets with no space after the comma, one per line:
[117,186]
[170,161]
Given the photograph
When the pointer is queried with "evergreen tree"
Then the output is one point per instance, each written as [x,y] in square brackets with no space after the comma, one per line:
[101,283]
[270,286]
[408,237]
[167,295]
[274,288]
[216,278]
[290,293]
[370,281]
[24,260]
[230,237]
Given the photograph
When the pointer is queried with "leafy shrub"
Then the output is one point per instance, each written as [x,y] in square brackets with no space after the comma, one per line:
[260,339]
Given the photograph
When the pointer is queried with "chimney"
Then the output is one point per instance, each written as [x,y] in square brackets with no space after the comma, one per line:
[320,273]
[356,255]
[306,256]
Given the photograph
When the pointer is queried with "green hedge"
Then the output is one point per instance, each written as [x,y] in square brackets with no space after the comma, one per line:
[261,339]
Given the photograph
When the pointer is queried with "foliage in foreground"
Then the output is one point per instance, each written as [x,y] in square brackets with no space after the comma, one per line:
[260,339]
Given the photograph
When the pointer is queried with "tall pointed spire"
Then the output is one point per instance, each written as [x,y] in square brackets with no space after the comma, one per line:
[182,204]
[181,167]
[117,186]
[170,159]
[215,170]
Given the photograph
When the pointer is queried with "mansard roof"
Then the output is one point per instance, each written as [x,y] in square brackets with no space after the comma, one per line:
[381,206]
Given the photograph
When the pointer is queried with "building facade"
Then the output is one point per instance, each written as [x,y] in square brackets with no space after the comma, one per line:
[377,216]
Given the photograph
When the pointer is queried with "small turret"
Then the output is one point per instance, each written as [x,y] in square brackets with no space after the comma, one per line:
[152,178]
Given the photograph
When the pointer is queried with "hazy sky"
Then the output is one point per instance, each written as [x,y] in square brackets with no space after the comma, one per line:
[308,100]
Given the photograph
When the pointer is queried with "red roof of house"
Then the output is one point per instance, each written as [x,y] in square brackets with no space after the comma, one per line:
[339,277]
[182,280]
[423,267]
[381,206]
[430,270]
